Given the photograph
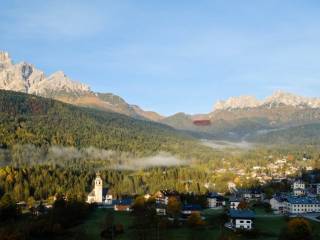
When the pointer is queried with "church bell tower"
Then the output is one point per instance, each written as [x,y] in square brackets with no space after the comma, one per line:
[98,189]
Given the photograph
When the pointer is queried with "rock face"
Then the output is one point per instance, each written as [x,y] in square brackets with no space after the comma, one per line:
[25,77]
[237,102]
[279,98]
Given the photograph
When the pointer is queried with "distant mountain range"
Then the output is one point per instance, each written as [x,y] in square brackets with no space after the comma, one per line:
[244,118]
[237,118]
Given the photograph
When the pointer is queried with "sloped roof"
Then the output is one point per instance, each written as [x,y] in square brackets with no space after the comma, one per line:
[303,200]
[241,214]
[191,207]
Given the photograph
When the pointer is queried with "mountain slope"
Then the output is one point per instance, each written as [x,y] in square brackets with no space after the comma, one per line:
[25,77]
[305,134]
[28,119]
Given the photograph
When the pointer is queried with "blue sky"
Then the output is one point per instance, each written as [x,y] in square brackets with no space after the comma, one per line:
[170,56]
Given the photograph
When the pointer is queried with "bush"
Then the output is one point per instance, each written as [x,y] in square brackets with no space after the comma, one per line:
[195,220]
[297,229]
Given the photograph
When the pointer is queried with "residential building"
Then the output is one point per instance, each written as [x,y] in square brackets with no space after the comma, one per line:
[187,210]
[215,200]
[234,202]
[251,194]
[161,209]
[123,205]
[298,188]
[164,195]
[294,205]
[277,202]
[241,219]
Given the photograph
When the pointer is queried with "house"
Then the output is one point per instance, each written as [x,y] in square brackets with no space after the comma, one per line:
[99,194]
[240,219]
[298,188]
[232,187]
[39,209]
[161,209]
[299,192]
[164,195]
[294,205]
[215,200]
[234,202]
[277,202]
[123,205]
[187,210]
[251,194]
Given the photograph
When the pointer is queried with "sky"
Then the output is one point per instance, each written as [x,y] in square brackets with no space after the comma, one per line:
[171,55]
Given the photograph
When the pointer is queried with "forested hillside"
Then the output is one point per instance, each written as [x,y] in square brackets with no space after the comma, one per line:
[27,119]
[308,134]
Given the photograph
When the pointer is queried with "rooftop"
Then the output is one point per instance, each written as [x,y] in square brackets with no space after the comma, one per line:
[242,214]
[192,207]
[303,200]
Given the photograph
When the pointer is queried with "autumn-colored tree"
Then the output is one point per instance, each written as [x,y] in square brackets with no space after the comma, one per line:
[297,229]
[243,205]
[174,207]
[290,157]
[8,208]
[195,220]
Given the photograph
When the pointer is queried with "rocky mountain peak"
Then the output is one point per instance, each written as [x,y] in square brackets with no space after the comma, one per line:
[237,103]
[280,97]
[275,100]
[5,60]
[24,77]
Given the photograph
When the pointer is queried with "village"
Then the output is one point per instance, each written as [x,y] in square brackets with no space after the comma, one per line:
[257,200]
[239,204]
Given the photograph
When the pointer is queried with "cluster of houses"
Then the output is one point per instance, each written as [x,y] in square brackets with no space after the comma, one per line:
[301,200]
[239,219]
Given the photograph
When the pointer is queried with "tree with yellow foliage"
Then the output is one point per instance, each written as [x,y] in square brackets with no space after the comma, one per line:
[297,229]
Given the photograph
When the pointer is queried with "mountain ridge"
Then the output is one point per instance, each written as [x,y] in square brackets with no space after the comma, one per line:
[276,99]
[25,77]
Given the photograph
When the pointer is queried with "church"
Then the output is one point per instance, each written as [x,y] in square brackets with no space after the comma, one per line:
[99,194]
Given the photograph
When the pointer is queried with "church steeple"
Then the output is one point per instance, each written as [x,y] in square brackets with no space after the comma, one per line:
[98,188]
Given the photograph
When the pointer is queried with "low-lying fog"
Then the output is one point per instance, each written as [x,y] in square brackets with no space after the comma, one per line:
[98,158]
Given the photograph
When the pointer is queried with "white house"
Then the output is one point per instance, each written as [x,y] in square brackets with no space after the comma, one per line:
[161,209]
[241,219]
[99,194]
[300,205]
[215,200]
[251,194]
[277,203]
[298,188]
[162,196]
[234,202]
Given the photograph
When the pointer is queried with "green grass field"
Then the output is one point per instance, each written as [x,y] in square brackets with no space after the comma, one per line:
[268,225]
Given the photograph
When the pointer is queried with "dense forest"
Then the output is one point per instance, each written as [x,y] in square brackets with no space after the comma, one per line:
[39,121]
